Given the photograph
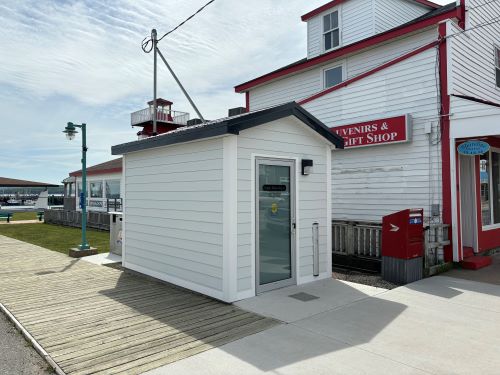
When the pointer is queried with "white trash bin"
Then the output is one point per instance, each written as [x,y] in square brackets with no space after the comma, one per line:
[115,233]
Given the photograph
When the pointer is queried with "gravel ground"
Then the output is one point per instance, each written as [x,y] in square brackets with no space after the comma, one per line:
[17,357]
[362,278]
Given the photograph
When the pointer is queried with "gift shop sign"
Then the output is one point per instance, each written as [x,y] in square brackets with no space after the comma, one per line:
[376,132]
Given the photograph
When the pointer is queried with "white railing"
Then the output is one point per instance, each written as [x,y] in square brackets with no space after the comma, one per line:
[364,239]
[436,237]
[146,114]
[356,238]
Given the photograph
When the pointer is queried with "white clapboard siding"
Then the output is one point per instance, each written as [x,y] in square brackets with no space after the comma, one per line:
[356,24]
[370,182]
[290,139]
[357,21]
[174,213]
[472,57]
[392,13]
[308,83]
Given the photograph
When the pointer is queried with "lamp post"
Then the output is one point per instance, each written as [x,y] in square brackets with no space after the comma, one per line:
[84,248]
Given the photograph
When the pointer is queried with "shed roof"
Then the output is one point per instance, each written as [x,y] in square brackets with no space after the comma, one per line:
[13,182]
[111,166]
[231,125]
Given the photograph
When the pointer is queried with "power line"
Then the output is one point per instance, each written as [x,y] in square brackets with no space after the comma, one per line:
[186,20]
[487,23]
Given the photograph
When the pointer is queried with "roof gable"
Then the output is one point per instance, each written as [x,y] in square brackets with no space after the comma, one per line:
[451,10]
[334,3]
[231,125]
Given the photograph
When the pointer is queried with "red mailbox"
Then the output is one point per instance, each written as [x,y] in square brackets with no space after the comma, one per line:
[403,246]
[403,234]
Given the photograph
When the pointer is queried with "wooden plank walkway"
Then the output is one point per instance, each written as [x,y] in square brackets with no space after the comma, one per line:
[97,320]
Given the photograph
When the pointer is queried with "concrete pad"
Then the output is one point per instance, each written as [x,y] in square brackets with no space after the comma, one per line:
[332,294]
[103,258]
[422,330]
[490,274]
[440,325]
[286,350]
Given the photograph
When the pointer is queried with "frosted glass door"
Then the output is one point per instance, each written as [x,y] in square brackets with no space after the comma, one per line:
[275,221]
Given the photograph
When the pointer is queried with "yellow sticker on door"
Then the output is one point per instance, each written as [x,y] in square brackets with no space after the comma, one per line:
[274,208]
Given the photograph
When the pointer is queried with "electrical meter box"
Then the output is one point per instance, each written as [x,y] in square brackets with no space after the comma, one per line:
[403,246]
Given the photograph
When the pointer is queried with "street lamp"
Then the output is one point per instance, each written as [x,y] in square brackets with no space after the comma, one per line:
[84,248]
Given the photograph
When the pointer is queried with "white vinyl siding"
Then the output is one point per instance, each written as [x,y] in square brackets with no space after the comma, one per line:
[370,182]
[472,54]
[361,19]
[304,84]
[174,210]
[392,13]
[355,19]
[287,138]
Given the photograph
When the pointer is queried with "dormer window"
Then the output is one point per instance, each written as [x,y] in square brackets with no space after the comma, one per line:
[331,31]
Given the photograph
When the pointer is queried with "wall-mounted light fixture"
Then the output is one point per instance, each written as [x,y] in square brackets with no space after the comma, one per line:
[306,166]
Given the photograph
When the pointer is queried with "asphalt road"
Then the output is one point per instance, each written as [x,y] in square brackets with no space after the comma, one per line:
[17,357]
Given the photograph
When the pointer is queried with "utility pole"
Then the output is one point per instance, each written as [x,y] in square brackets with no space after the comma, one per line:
[154,38]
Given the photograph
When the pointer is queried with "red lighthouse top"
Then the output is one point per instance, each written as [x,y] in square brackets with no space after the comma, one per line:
[166,118]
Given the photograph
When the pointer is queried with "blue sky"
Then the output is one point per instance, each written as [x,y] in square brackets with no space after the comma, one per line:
[81,61]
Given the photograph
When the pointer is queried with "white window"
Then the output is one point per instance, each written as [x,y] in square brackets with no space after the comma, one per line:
[490,188]
[332,76]
[331,31]
[497,65]
[113,189]
[96,189]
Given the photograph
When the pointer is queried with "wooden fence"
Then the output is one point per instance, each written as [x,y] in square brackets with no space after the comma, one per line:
[96,220]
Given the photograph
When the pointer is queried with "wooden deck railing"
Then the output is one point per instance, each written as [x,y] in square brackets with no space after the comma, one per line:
[357,238]
[364,239]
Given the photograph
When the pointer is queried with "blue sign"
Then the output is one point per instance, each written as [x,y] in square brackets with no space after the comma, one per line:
[473,148]
[415,220]
[82,200]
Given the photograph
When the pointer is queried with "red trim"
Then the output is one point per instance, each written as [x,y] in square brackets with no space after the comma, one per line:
[368,73]
[101,171]
[321,9]
[247,101]
[334,3]
[461,20]
[445,139]
[365,43]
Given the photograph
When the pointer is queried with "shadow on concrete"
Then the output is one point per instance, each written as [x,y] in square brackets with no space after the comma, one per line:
[192,315]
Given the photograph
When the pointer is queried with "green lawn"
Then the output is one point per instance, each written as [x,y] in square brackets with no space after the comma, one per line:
[24,216]
[55,237]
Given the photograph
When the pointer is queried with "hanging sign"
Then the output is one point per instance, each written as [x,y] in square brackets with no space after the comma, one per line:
[376,132]
[473,148]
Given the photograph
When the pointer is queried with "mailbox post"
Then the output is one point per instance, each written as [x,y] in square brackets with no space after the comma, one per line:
[403,246]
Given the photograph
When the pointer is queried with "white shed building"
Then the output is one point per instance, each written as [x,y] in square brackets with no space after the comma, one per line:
[232,207]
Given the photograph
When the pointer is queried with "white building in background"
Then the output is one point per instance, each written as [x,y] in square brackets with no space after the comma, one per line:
[104,186]
[405,84]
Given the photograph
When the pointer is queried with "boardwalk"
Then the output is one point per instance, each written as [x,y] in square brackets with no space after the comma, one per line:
[96,320]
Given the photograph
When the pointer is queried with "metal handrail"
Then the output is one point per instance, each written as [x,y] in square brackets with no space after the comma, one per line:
[162,115]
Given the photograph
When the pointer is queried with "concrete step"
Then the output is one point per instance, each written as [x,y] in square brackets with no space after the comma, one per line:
[468,252]
[476,262]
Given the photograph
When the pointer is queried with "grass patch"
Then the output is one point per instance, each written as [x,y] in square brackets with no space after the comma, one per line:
[56,237]
[17,216]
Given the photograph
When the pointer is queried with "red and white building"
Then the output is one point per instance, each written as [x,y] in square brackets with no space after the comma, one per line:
[404,82]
